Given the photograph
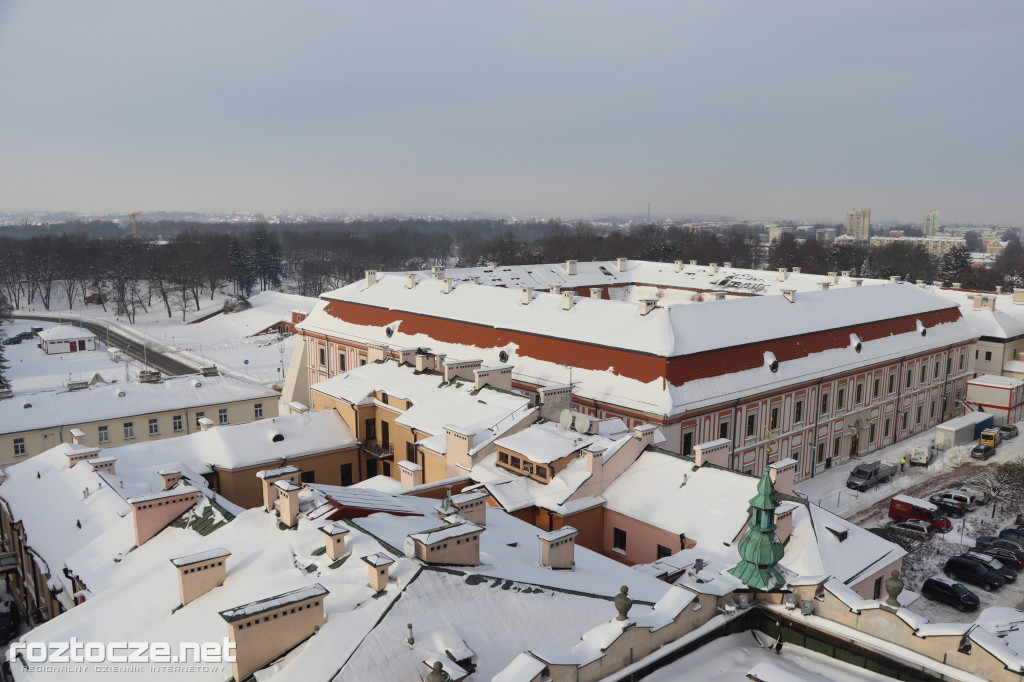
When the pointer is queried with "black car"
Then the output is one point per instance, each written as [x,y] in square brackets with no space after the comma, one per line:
[950,592]
[973,572]
[1009,575]
[983,451]
[952,509]
[14,340]
[1007,557]
[1012,534]
[25,336]
[1006,543]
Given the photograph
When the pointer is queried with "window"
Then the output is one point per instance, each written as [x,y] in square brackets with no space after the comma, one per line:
[910,377]
[199,415]
[945,402]
[871,434]
[936,369]
[308,477]
[988,355]
[323,356]
[892,382]
[840,399]
[821,453]
[104,434]
[362,362]
[688,443]
[410,452]
[798,412]
[888,425]
[905,420]
[222,415]
[341,362]
[385,433]
[835,447]
[932,411]
[19,446]
[503,457]
[542,472]
[878,388]
[920,411]
[962,361]
[860,394]
[824,403]
[346,474]
[619,539]
[774,423]
[129,430]
[663,551]
[723,430]
[751,423]
[922,372]
[154,427]
[176,423]
[257,411]
[371,429]
[516,462]
[949,365]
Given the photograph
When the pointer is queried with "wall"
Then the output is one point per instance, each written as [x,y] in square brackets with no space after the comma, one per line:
[263,638]
[642,540]
[242,487]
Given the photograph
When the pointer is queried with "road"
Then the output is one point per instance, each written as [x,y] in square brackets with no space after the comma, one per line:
[154,354]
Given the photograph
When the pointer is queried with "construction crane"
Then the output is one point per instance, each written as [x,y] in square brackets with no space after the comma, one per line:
[135,232]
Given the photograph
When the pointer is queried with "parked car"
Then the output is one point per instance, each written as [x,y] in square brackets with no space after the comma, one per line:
[25,336]
[1005,543]
[961,497]
[980,496]
[1012,534]
[904,508]
[913,529]
[983,451]
[868,474]
[948,507]
[950,592]
[1009,575]
[991,437]
[973,572]
[1008,430]
[1007,557]
[11,341]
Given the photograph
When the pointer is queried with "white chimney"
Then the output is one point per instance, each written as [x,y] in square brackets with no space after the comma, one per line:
[437,272]
[832,278]
[999,288]
[712,268]
[717,295]
[727,264]
[595,292]
[647,305]
[894,279]
[822,286]
[920,283]
[371,278]
[491,264]
[567,297]
[679,266]
[956,285]
[570,267]
[790,294]
[845,273]
[782,274]
[693,262]
[410,280]
[937,284]
[857,281]
[620,264]
[474,279]
[992,303]
[796,270]
[526,295]
[554,289]
[448,285]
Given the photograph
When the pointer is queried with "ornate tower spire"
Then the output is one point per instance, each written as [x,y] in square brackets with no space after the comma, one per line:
[760,549]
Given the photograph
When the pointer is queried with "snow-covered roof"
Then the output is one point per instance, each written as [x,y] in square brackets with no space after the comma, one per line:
[65,332]
[448,532]
[198,557]
[996,381]
[104,402]
[261,605]
[485,413]
[268,308]
[546,442]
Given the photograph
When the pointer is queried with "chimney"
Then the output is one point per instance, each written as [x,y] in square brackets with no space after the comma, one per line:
[151,513]
[446,287]
[288,500]
[894,279]
[937,284]
[554,399]
[727,264]
[474,279]
[713,452]
[822,286]
[920,283]
[596,292]
[693,262]
[679,266]
[832,278]
[371,278]
[439,362]
[437,272]
[557,548]
[411,474]
[979,302]
[472,506]
[717,295]
[789,294]
[782,274]
[796,271]
[169,477]
[77,435]
[782,474]
[1018,295]
[845,273]
[334,537]
[999,288]
[410,280]
[201,572]
[491,264]
[620,264]
[103,464]
[205,423]
[270,476]
[76,456]
[379,566]
[992,303]
[647,305]
[957,285]
[458,446]
[567,297]
[712,269]
[570,267]
[857,281]
[554,289]
[526,295]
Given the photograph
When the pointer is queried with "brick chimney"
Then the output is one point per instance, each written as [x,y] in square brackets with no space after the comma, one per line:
[796,270]
[712,269]
[334,537]
[557,548]
[822,286]
[832,278]
[554,289]
[789,294]
[201,572]
[472,506]
[782,474]
[205,423]
[894,279]
[713,452]
[79,454]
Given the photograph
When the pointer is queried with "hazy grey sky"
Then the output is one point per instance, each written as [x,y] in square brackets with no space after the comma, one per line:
[751,108]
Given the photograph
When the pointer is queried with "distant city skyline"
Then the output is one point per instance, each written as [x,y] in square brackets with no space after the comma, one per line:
[573,109]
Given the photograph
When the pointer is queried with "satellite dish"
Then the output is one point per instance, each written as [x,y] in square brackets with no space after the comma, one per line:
[582,423]
[565,419]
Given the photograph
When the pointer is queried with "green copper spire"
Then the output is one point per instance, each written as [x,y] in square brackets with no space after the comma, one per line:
[760,549]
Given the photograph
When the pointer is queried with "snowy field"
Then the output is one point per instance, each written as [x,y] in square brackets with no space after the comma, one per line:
[32,370]
[225,340]
[870,510]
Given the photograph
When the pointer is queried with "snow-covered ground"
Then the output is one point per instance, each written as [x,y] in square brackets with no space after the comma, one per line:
[225,340]
[734,656]
[870,509]
[32,370]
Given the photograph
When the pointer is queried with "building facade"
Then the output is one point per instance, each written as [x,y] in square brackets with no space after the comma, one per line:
[858,224]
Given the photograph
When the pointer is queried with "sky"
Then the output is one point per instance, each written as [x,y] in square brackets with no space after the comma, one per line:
[801,109]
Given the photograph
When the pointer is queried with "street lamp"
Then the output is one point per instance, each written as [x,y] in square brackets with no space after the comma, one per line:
[280,349]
